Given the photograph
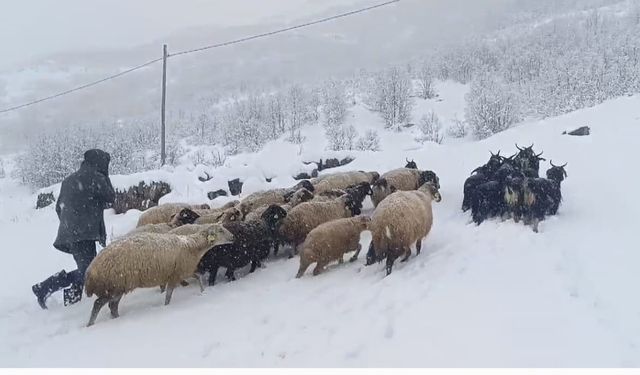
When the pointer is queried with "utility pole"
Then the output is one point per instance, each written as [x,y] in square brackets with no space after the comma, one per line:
[163,153]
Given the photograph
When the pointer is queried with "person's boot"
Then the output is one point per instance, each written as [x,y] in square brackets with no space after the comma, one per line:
[72,294]
[46,288]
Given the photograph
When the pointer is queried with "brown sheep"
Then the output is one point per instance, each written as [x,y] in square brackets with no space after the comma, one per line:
[342,180]
[330,241]
[301,219]
[226,216]
[399,221]
[274,196]
[300,196]
[403,179]
[185,216]
[164,212]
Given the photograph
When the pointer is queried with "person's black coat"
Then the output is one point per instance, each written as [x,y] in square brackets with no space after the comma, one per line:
[83,197]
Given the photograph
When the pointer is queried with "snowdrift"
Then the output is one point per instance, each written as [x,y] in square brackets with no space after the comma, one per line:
[491,295]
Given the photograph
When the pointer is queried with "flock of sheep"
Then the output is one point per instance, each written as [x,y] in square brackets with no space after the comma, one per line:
[320,219]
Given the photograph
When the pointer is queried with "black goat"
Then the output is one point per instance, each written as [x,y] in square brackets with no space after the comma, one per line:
[542,196]
[253,241]
[359,193]
[528,161]
[411,164]
[479,176]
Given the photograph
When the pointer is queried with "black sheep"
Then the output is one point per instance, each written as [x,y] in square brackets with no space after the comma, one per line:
[253,241]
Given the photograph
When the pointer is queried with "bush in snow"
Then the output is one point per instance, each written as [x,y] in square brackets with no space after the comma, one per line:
[341,137]
[424,76]
[390,95]
[431,128]
[458,128]
[369,142]
[2,173]
[491,106]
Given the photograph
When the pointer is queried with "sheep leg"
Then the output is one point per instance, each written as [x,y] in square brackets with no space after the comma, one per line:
[254,264]
[304,264]
[213,273]
[418,246]
[200,282]
[231,274]
[389,267]
[355,256]
[114,303]
[276,247]
[534,224]
[162,288]
[407,254]
[167,298]
[319,268]
[97,306]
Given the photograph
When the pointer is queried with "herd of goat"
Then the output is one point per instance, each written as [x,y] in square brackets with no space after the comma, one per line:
[319,219]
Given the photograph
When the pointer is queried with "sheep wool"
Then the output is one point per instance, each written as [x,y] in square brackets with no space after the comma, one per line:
[342,180]
[164,212]
[306,216]
[399,221]
[147,260]
[330,241]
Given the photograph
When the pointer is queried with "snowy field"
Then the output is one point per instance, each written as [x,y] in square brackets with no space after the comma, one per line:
[494,295]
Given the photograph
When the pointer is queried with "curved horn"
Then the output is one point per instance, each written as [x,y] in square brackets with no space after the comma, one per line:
[551,162]
[530,146]
[498,154]
[565,164]
[540,154]
[518,147]
[407,159]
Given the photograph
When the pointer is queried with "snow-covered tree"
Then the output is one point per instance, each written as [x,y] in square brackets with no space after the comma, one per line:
[424,76]
[390,95]
[341,137]
[431,128]
[491,106]
[334,103]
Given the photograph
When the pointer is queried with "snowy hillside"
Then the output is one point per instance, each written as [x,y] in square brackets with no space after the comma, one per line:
[493,295]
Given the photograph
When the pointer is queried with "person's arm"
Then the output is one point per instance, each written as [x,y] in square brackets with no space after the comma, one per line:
[105,192]
[59,202]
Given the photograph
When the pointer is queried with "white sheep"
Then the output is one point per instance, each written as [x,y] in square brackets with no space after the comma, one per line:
[147,260]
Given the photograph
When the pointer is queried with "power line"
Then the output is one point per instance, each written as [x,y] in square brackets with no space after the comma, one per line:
[228,43]
[270,33]
[94,83]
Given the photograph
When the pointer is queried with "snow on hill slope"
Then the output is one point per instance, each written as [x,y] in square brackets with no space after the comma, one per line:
[493,295]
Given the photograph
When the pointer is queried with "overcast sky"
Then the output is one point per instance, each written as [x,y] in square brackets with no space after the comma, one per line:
[36,28]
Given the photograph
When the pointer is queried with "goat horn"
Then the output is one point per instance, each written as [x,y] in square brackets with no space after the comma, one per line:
[540,154]
[551,162]
[565,164]
[518,147]
[530,146]
[498,154]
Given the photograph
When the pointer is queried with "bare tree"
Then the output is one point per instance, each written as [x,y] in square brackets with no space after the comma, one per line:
[391,97]
[491,106]
[425,82]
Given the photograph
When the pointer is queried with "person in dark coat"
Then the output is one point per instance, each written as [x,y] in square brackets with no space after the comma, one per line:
[80,207]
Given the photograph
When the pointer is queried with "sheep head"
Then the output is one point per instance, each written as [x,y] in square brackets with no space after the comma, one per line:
[429,176]
[185,216]
[304,184]
[273,216]
[431,189]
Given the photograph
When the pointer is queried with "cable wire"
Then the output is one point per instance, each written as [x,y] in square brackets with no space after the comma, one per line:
[270,33]
[236,41]
[94,83]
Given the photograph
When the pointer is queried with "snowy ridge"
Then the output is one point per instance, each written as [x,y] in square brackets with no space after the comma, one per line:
[493,295]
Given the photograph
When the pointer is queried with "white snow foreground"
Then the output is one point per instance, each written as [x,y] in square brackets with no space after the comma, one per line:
[493,295]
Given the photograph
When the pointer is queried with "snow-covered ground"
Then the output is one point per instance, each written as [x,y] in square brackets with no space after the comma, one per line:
[493,295]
